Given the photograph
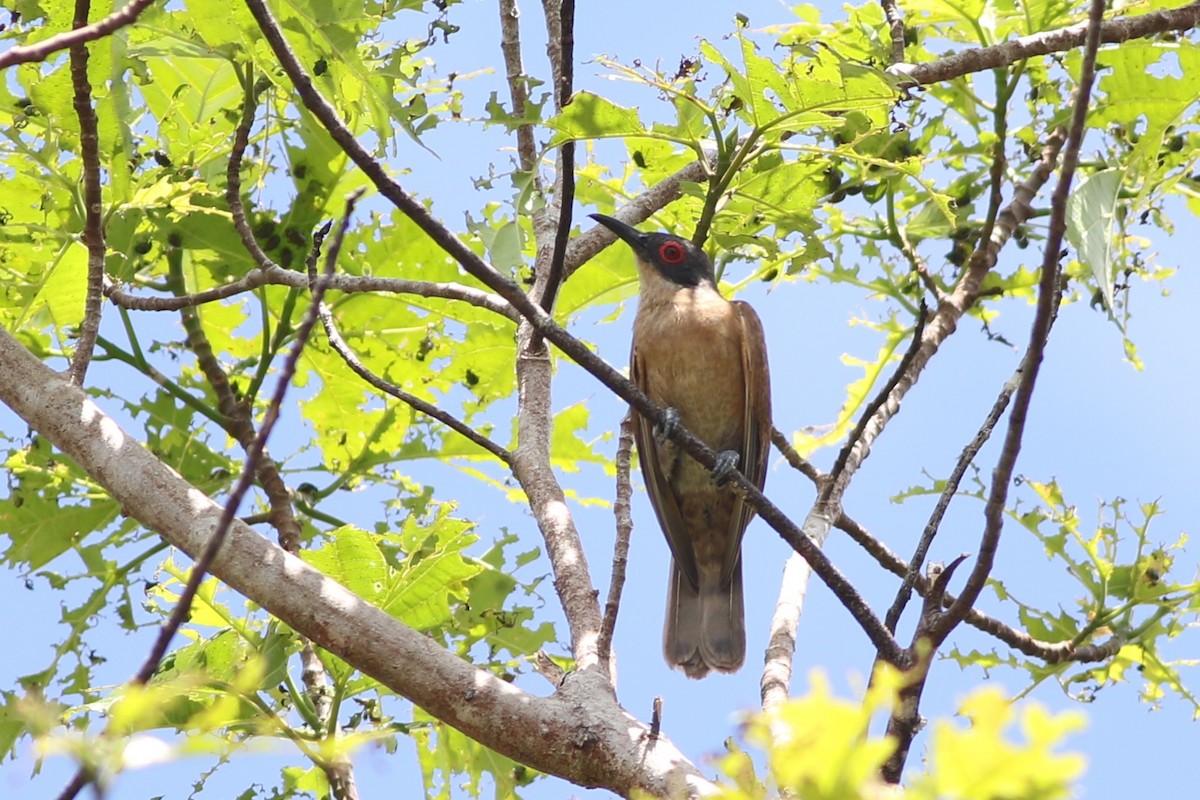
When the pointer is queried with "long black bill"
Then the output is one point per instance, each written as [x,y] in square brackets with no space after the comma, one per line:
[631,235]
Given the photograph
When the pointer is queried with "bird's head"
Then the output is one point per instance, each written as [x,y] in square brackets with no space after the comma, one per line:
[672,257]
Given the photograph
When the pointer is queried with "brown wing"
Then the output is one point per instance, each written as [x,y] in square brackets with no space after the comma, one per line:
[756,433]
[662,498]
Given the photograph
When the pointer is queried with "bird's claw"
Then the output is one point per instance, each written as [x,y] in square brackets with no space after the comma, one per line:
[727,462]
[664,429]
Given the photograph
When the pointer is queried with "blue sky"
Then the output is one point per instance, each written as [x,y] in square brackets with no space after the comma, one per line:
[1100,427]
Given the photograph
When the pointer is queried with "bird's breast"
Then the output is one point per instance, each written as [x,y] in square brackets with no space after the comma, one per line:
[689,346]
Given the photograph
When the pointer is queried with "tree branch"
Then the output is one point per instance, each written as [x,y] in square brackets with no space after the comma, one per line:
[518,85]
[965,459]
[1002,55]
[1049,294]
[77,36]
[623,512]
[605,748]
[228,515]
[560,25]
[775,683]
[93,199]
[275,275]
[1049,652]
[895,21]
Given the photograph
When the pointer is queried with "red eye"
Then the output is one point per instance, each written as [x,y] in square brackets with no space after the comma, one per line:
[672,253]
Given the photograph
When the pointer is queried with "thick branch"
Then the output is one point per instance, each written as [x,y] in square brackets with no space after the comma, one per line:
[605,748]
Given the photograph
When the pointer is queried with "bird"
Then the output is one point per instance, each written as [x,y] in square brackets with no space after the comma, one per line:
[703,359]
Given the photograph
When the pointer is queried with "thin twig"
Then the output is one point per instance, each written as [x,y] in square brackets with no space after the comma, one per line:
[93,199]
[622,511]
[794,459]
[417,404]
[1049,652]
[338,769]
[253,455]
[77,36]
[236,416]
[233,173]
[183,605]
[275,275]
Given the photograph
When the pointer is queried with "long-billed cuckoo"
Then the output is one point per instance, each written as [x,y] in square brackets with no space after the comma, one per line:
[704,359]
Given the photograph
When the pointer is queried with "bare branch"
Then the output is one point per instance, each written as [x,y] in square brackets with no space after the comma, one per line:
[560,24]
[228,515]
[518,84]
[338,768]
[1002,55]
[236,416]
[895,20]
[622,511]
[936,625]
[794,459]
[776,680]
[905,720]
[1049,652]
[93,199]
[77,36]
[253,456]
[233,174]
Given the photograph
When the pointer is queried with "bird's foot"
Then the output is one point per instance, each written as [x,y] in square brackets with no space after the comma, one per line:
[664,429]
[727,462]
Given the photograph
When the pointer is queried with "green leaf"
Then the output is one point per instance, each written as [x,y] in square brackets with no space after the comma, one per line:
[590,116]
[1091,211]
